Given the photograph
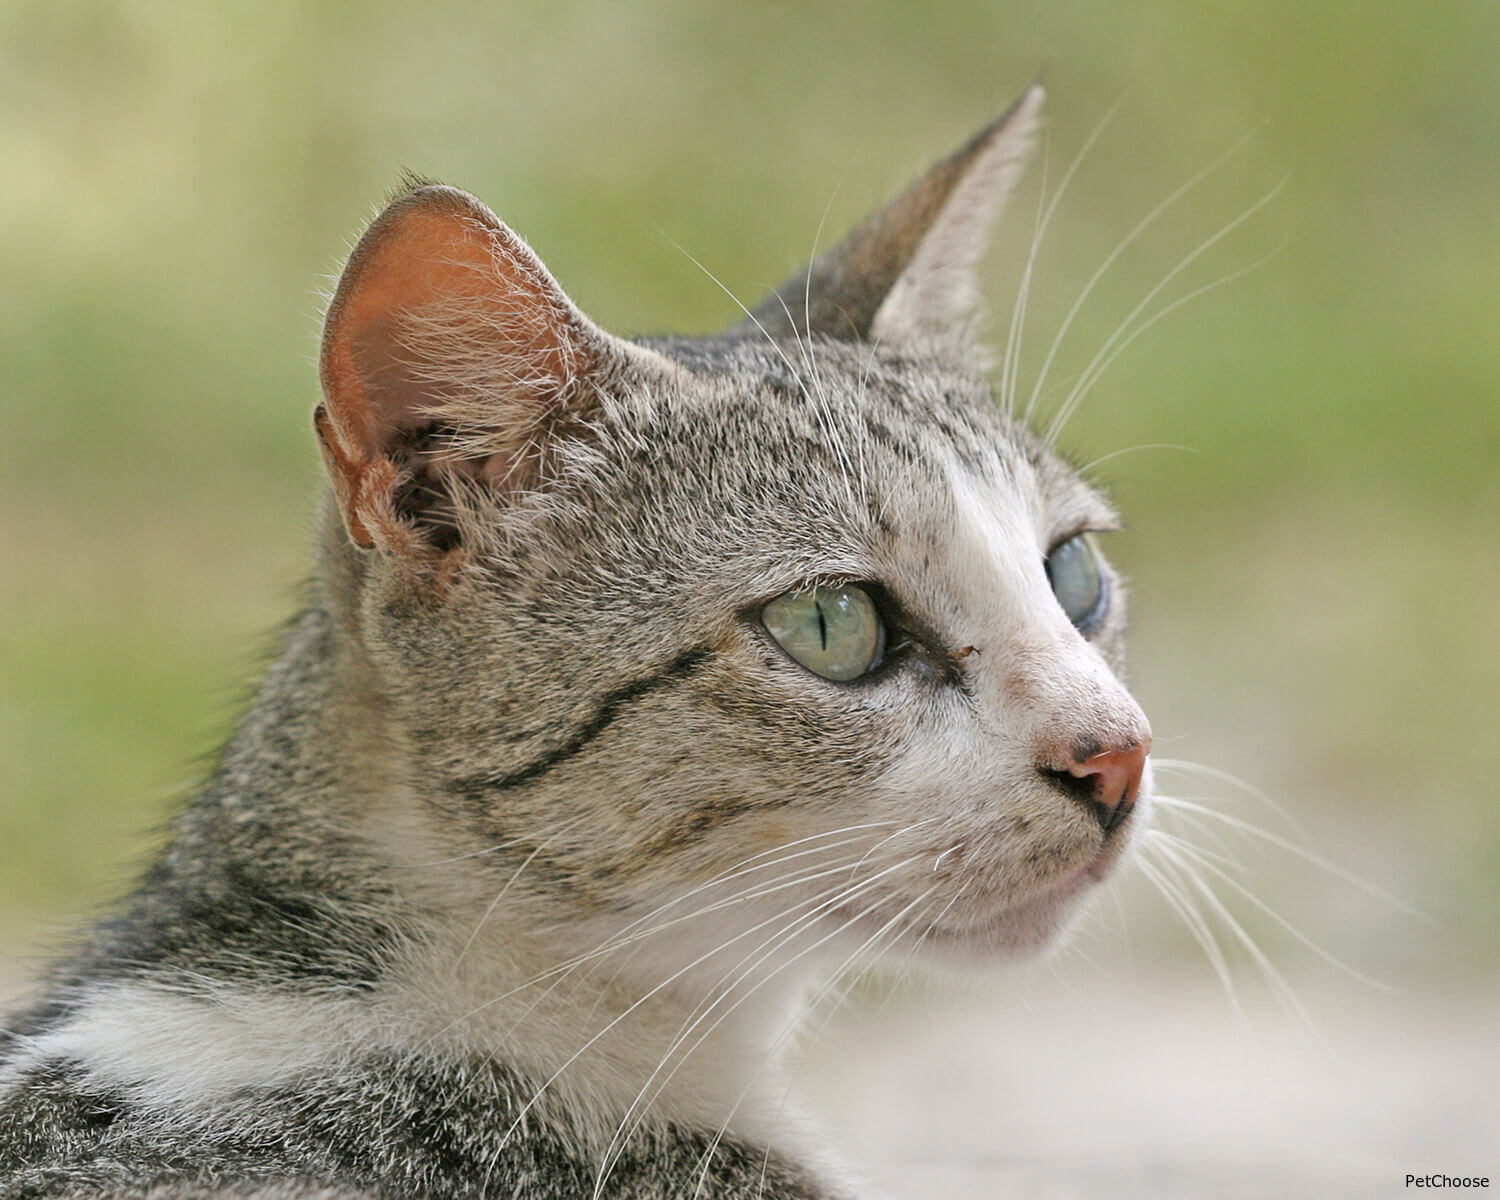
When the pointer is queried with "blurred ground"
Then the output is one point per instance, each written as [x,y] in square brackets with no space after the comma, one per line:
[1149,1087]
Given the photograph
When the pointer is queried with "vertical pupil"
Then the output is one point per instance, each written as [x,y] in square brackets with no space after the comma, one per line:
[822,624]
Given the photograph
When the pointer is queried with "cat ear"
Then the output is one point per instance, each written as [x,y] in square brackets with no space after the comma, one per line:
[907,274]
[450,356]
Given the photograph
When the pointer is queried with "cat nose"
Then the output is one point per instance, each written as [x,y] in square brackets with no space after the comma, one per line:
[1107,780]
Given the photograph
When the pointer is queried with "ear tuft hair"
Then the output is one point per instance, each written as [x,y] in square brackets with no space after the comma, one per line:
[450,357]
[409,182]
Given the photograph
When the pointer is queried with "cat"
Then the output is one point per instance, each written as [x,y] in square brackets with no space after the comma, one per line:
[642,688]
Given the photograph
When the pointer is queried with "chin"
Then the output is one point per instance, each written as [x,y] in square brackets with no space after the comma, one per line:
[1034,924]
[1016,933]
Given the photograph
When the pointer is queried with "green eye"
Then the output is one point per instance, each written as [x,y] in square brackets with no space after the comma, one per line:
[834,632]
[1073,569]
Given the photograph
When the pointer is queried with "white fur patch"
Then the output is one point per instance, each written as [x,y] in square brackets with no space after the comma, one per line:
[183,1052]
[171,1050]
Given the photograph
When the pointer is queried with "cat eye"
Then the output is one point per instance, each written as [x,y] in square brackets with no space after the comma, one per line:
[835,632]
[1078,583]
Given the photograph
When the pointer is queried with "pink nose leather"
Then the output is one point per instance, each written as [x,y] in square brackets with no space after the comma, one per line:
[1117,773]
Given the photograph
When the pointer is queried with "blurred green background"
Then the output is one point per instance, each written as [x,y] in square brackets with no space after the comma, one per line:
[1315,577]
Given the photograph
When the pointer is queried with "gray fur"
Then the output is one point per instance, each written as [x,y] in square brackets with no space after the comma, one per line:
[529,787]
[381,1127]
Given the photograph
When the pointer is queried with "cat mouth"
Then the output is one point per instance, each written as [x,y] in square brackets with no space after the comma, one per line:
[1024,926]
[986,912]
[1031,920]
[1017,927]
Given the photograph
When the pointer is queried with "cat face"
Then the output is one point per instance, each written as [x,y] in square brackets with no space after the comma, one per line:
[570,562]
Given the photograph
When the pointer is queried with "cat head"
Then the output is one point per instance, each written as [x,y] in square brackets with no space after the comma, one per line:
[793,621]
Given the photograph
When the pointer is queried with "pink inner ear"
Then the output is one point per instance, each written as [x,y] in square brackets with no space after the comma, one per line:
[442,314]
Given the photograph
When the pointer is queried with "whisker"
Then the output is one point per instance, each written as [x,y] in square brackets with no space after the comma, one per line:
[537,1095]
[1181,904]
[1279,983]
[1200,853]
[1144,224]
[817,396]
[1204,859]
[741,999]
[774,344]
[495,849]
[819,997]
[500,895]
[1185,767]
[905,829]
[1012,363]
[1104,458]
[665,983]
[724,988]
[597,957]
[1110,351]
[1188,808]
[619,938]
